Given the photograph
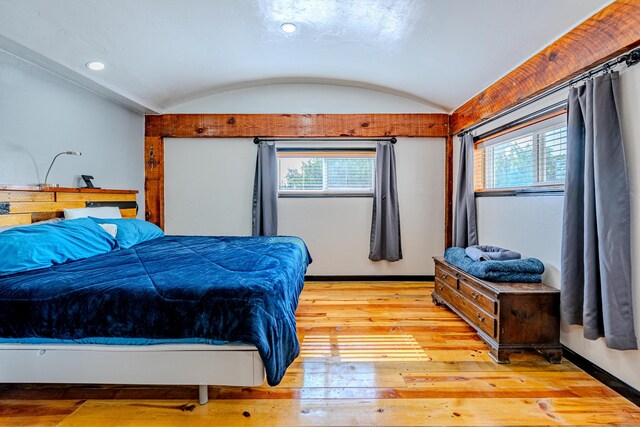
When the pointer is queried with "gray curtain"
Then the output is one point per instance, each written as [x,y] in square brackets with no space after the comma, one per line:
[385,225]
[596,247]
[265,192]
[464,233]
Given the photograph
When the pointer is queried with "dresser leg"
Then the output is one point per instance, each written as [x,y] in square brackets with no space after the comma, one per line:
[436,300]
[500,356]
[552,355]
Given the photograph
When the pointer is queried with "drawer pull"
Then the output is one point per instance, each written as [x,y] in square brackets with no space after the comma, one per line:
[474,295]
[441,287]
[480,317]
[444,276]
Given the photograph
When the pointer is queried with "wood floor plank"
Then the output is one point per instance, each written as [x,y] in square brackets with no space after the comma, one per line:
[36,412]
[372,353]
[406,393]
[356,412]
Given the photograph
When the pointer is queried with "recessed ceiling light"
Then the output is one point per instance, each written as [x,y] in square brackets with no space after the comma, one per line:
[288,27]
[95,65]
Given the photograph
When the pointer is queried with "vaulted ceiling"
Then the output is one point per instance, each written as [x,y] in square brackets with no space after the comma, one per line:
[160,53]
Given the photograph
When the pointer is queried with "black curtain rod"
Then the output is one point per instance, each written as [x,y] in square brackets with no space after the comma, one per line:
[544,111]
[630,58]
[257,140]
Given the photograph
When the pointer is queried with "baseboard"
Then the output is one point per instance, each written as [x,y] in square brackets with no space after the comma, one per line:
[604,377]
[396,278]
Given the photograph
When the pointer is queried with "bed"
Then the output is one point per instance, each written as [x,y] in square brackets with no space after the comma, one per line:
[191,310]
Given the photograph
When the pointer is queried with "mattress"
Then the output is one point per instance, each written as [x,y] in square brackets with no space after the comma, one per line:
[193,289]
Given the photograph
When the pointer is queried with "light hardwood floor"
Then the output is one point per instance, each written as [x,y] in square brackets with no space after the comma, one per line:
[372,354]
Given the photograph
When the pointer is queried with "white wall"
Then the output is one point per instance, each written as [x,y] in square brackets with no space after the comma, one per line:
[297,98]
[215,196]
[208,185]
[42,114]
[532,226]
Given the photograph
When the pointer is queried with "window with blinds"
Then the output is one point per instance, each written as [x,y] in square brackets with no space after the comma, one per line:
[531,157]
[330,172]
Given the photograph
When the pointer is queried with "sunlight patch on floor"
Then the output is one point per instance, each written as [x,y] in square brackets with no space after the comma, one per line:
[364,348]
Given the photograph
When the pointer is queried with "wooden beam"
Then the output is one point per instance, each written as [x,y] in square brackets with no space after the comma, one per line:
[297,125]
[607,34]
[154,180]
[448,193]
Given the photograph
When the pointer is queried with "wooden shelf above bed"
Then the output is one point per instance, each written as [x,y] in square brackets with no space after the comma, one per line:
[63,189]
[24,204]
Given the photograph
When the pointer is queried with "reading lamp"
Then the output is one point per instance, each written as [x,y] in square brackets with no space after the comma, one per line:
[70,153]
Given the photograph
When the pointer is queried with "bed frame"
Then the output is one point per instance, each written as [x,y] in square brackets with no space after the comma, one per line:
[236,364]
[177,364]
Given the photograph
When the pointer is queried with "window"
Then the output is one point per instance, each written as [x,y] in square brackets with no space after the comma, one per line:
[531,157]
[326,172]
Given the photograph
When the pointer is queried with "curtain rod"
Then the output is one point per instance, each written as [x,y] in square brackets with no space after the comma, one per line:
[630,58]
[257,140]
[531,116]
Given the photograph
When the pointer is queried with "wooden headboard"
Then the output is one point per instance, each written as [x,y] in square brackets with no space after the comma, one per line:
[28,204]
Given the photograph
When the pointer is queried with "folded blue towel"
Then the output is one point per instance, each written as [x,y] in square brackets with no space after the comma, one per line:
[527,270]
[488,253]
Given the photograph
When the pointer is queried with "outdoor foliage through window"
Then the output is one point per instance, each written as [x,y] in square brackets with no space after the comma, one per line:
[326,172]
[528,160]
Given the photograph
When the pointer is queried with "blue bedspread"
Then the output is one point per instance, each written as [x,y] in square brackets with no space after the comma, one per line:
[527,270]
[175,287]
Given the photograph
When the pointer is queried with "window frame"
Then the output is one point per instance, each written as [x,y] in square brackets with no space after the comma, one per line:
[538,188]
[301,194]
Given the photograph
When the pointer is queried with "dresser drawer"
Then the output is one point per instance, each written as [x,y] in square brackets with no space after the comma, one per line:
[477,297]
[481,319]
[442,287]
[474,314]
[447,276]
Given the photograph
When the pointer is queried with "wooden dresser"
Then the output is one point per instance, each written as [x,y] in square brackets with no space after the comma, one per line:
[509,317]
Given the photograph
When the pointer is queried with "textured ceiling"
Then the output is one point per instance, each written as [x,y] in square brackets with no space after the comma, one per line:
[160,53]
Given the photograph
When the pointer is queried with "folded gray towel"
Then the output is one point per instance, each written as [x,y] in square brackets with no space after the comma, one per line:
[490,253]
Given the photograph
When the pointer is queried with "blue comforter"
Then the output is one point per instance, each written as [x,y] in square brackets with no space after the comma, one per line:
[175,287]
[528,270]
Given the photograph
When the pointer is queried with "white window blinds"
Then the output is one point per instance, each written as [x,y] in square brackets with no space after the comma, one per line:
[331,171]
[532,156]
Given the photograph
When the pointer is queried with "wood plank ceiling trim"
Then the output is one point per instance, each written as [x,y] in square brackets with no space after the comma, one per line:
[448,193]
[154,180]
[297,125]
[158,127]
[605,35]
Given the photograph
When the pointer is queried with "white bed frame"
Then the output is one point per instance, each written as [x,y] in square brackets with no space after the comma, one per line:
[174,364]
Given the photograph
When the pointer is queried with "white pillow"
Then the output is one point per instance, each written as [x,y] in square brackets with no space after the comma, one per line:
[110,228]
[103,212]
